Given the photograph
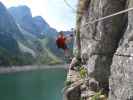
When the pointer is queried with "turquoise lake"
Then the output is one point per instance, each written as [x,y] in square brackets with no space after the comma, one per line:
[44,84]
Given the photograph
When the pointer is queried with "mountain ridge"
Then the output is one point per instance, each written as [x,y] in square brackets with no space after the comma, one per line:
[33,37]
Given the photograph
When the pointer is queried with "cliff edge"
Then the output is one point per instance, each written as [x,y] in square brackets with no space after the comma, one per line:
[106,47]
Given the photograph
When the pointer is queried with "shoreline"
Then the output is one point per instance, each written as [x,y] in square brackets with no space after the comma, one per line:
[13,69]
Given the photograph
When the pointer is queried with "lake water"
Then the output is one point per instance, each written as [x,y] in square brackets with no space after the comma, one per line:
[44,84]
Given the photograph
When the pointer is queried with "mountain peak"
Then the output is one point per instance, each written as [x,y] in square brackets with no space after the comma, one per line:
[38,17]
[2,7]
[21,11]
[21,7]
[1,3]
[40,20]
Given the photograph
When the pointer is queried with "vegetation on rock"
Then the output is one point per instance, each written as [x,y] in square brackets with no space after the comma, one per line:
[83,72]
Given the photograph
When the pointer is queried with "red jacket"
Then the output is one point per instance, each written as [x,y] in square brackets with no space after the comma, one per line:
[61,41]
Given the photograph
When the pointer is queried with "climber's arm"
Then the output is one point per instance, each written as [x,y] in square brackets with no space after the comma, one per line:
[69,38]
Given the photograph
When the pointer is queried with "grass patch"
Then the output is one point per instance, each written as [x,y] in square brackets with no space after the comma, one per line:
[99,96]
[83,72]
[67,83]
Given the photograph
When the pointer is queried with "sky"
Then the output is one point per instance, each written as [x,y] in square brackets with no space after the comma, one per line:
[55,12]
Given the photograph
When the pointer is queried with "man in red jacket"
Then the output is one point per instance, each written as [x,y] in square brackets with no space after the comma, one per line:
[62,41]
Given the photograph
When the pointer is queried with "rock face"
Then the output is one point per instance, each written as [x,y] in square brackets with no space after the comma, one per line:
[107,45]
[23,17]
[8,31]
[7,23]
[35,25]
[44,27]
[73,91]
[9,35]
[99,40]
[121,84]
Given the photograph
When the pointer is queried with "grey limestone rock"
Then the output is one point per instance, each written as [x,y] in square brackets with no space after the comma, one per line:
[121,79]
[100,40]
[107,46]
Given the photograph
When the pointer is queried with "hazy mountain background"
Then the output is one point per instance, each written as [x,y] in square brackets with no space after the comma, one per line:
[27,40]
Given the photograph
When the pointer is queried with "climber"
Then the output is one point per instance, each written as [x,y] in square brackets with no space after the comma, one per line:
[62,42]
